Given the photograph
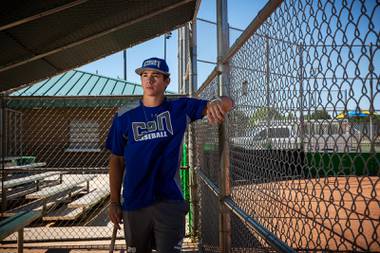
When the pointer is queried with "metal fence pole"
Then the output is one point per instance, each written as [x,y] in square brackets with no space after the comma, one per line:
[180,60]
[3,152]
[372,101]
[186,57]
[125,63]
[301,106]
[193,184]
[224,216]
[20,138]
[267,86]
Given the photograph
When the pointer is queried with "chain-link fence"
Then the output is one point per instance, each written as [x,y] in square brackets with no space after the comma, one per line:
[304,140]
[207,140]
[12,135]
[56,162]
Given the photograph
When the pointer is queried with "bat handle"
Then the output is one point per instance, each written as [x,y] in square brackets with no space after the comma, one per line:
[113,239]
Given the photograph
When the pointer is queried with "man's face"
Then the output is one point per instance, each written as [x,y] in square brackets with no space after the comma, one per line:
[154,83]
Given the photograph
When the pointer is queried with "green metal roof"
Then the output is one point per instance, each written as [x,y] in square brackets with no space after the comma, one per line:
[77,88]
[78,83]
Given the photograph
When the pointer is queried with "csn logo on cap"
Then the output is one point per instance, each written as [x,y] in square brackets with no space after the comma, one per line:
[152,63]
[156,64]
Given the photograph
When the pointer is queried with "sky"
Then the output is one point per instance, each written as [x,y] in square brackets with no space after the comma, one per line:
[240,14]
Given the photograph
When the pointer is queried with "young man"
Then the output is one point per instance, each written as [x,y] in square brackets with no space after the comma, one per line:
[145,144]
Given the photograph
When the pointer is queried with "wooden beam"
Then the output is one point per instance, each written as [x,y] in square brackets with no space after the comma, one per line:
[41,14]
[92,37]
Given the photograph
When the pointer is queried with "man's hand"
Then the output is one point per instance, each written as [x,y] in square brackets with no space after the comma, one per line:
[116,172]
[217,108]
[115,214]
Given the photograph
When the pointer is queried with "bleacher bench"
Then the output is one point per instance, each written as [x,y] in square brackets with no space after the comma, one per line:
[17,223]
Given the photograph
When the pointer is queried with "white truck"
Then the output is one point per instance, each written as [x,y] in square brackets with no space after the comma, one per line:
[316,135]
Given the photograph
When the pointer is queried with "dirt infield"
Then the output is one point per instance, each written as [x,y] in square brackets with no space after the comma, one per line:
[335,213]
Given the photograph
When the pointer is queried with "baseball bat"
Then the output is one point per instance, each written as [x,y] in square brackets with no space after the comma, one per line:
[113,239]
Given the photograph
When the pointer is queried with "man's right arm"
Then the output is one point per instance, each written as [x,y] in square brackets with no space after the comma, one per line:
[116,171]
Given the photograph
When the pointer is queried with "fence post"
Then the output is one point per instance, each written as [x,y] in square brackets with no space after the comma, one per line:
[180,61]
[372,101]
[224,182]
[301,106]
[267,88]
[193,183]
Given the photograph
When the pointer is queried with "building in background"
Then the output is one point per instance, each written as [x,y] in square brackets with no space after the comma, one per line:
[64,120]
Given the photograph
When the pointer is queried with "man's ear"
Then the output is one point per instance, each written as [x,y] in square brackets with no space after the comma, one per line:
[167,81]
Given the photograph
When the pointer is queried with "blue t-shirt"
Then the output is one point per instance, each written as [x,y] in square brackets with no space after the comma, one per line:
[150,140]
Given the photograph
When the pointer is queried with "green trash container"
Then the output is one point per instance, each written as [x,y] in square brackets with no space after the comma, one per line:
[184,175]
[24,160]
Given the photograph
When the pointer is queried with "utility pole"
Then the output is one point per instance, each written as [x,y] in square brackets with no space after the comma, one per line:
[125,63]
[166,36]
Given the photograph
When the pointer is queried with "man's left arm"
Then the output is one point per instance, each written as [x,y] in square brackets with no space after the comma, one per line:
[217,108]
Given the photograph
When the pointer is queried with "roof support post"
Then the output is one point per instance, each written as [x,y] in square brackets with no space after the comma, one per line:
[186,58]
[180,60]
[193,183]
[223,84]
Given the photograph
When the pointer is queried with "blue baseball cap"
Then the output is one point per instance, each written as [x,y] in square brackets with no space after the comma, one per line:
[156,64]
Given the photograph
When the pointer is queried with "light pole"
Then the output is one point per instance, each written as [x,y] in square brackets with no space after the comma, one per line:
[125,63]
[166,36]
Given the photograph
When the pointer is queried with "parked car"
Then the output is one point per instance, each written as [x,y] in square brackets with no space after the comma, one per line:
[313,136]
[273,137]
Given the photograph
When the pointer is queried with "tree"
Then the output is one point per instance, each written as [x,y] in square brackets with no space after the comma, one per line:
[318,114]
[239,118]
[239,122]
[265,113]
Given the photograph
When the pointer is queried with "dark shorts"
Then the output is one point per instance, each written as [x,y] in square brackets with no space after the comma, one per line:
[160,226]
